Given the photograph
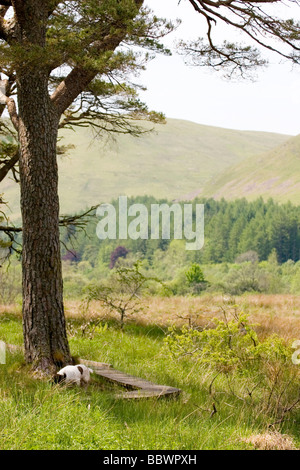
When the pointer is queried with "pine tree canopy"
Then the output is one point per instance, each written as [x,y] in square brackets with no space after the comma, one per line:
[91,50]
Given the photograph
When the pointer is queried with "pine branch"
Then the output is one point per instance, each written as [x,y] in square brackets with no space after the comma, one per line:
[8,229]
[9,166]
[80,77]
[79,221]
[68,90]
[249,18]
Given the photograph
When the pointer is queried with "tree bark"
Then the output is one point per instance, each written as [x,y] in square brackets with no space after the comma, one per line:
[45,338]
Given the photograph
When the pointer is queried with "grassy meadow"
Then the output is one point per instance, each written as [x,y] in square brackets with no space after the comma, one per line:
[219,408]
[219,324]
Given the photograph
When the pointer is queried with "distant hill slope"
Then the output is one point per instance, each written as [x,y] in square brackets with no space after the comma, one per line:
[176,161]
[275,174]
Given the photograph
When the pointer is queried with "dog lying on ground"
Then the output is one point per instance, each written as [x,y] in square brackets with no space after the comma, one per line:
[78,375]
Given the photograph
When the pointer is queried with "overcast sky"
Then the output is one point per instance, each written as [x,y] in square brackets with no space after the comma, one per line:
[271,103]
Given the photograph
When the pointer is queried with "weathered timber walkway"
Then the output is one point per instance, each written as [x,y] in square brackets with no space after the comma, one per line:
[136,387]
[139,388]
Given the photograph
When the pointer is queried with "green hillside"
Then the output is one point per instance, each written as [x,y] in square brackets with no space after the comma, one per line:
[175,161]
[273,174]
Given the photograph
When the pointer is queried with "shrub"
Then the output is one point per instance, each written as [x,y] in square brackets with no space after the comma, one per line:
[195,278]
[123,293]
[260,374]
[251,256]
[247,277]
[230,343]
[72,256]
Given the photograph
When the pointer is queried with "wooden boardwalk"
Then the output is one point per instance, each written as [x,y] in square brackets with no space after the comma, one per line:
[136,387]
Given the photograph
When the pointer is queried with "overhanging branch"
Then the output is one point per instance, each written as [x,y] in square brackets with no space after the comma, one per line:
[79,221]
[262,28]
[7,229]
[9,165]
[79,77]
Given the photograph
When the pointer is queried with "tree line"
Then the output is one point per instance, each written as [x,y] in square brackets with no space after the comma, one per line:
[232,229]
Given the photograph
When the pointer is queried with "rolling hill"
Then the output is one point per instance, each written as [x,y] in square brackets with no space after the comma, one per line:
[177,161]
[275,174]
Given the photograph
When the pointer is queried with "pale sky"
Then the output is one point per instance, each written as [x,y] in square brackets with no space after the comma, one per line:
[271,103]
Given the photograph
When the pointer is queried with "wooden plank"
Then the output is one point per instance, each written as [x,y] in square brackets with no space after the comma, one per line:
[140,388]
[126,380]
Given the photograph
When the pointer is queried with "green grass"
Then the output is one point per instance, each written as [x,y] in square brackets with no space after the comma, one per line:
[35,414]
[176,160]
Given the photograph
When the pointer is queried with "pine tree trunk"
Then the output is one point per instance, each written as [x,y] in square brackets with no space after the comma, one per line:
[44,329]
[45,338]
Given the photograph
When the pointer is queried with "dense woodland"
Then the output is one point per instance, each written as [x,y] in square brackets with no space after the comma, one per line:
[249,246]
[231,229]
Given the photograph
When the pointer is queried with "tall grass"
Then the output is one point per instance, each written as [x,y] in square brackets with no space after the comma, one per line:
[214,411]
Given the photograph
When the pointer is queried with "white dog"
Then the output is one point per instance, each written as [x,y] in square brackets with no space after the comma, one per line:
[79,375]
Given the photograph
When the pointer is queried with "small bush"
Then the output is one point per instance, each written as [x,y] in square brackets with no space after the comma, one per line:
[124,291]
[195,279]
[230,344]
[247,277]
[259,373]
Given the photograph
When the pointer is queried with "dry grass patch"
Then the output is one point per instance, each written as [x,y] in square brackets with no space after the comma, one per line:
[13,309]
[278,314]
[271,440]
